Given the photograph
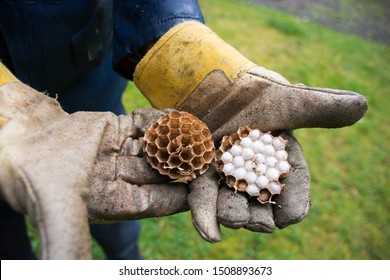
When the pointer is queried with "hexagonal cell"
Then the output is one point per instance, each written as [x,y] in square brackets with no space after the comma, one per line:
[153,161]
[264,196]
[186,155]
[162,155]
[173,133]
[197,137]
[206,133]
[151,149]
[186,129]
[208,145]
[243,131]
[163,129]
[230,181]
[174,146]
[175,114]
[174,123]
[186,120]
[208,156]
[198,126]
[198,149]
[151,135]
[198,162]
[185,168]
[173,161]
[162,142]
[241,185]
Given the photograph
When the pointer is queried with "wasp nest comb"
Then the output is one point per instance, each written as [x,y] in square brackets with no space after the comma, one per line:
[252,161]
[179,145]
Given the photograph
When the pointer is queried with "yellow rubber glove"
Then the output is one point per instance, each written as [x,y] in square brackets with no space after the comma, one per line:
[192,69]
[5,75]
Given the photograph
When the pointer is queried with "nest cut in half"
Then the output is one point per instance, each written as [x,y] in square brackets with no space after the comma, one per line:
[179,145]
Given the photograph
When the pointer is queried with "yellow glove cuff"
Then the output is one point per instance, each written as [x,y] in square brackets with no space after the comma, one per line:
[181,59]
[5,75]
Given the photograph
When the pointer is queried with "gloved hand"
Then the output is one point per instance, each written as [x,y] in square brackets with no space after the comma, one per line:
[64,171]
[200,73]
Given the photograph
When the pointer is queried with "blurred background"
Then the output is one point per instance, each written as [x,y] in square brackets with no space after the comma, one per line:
[337,44]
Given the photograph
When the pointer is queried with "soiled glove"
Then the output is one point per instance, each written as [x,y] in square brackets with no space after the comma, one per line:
[200,73]
[66,170]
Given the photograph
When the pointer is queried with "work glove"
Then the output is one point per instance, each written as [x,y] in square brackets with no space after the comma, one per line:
[66,170]
[190,68]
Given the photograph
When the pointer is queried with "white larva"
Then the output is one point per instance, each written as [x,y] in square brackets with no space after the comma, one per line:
[247,153]
[228,169]
[255,134]
[262,182]
[250,177]
[227,157]
[240,173]
[253,190]
[272,174]
[246,142]
[236,150]
[238,161]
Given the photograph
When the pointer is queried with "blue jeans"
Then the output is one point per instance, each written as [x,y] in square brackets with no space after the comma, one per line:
[118,240]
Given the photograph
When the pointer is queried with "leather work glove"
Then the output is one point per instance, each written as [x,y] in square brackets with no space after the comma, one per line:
[190,68]
[65,170]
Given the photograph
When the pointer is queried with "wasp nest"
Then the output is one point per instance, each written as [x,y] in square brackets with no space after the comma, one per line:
[179,145]
[252,161]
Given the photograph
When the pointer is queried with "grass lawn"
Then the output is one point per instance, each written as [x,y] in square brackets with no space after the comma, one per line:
[350,213]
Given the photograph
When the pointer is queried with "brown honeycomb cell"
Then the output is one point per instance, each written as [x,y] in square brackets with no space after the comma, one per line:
[179,145]
[252,161]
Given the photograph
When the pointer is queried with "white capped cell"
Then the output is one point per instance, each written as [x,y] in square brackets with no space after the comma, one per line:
[266,139]
[255,134]
[249,165]
[283,166]
[279,143]
[269,150]
[257,147]
[228,168]
[272,174]
[275,187]
[238,161]
[247,153]
[253,190]
[259,158]
[236,150]
[239,173]
[281,155]
[250,177]
[261,169]
[270,162]
[246,142]
[226,157]
[262,182]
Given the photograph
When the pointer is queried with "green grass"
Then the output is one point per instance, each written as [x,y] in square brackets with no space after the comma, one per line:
[350,213]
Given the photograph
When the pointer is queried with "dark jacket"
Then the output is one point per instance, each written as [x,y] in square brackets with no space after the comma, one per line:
[70,47]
